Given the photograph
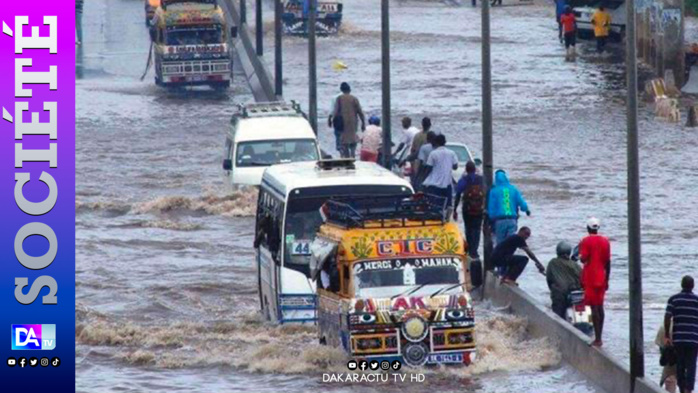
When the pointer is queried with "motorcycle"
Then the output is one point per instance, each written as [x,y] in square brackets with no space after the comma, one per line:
[579,314]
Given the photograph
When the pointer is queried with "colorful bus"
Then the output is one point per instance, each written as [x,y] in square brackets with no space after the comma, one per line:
[191,44]
[393,280]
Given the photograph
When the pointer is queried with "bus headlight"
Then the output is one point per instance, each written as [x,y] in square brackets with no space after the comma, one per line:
[415,328]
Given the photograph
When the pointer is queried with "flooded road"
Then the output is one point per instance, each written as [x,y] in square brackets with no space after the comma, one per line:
[165,282]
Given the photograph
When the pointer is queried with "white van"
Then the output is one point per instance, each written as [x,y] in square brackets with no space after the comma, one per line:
[584,10]
[288,217]
[265,134]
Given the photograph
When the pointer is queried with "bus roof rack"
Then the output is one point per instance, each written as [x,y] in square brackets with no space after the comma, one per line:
[165,3]
[337,163]
[352,212]
[267,109]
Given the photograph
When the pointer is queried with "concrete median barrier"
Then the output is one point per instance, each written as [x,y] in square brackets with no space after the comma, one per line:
[601,368]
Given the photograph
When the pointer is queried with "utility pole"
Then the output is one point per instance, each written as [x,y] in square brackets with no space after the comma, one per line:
[385,81]
[278,53]
[312,64]
[259,27]
[487,161]
[637,355]
[243,12]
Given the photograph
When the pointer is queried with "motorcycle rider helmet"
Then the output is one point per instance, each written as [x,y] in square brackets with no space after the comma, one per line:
[563,249]
[593,223]
[374,120]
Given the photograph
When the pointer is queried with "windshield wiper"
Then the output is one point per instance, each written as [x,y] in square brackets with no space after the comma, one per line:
[446,289]
[401,293]
[420,286]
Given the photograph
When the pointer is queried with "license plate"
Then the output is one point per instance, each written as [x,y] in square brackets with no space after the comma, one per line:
[445,358]
[300,247]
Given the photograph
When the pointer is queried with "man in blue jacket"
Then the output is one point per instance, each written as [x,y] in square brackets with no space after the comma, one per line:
[505,202]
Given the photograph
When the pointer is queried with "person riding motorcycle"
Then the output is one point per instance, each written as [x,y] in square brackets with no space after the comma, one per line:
[563,276]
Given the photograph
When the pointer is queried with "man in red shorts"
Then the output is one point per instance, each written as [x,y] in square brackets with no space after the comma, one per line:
[595,254]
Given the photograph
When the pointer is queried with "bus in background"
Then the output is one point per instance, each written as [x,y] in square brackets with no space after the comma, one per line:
[191,44]
[327,22]
[288,217]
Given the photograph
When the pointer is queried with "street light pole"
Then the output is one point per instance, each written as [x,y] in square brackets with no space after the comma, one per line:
[278,53]
[312,66]
[486,127]
[259,29]
[637,355]
[385,81]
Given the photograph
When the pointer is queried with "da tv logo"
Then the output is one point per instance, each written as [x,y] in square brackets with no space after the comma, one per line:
[33,337]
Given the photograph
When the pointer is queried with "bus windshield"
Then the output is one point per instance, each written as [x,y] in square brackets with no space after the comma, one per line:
[430,270]
[195,35]
[266,153]
[303,217]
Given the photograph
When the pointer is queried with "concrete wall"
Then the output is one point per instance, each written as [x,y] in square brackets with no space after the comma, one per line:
[258,75]
[660,33]
[600,368]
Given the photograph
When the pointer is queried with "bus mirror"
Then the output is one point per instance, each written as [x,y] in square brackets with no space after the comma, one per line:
[478,161]
[234,32]
[227,164]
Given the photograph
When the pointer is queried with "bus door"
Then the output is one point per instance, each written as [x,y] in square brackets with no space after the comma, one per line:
[267,244]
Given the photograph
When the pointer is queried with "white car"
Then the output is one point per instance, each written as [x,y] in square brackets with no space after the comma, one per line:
[464,155]
[584,10]
[266,134]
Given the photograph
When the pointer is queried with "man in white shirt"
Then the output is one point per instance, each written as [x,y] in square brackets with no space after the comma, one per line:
[439,166]
[408,133]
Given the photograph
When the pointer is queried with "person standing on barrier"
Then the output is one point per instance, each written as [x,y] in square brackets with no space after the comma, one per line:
[667,360]
[569,26]
[563,276]
[472,188]
[371,140]
[420,168]
[595,254]
[503,207]
[510,265]
[347,109]
[602,24]
[408,133]
[417,142]
[681,331]
[439,166]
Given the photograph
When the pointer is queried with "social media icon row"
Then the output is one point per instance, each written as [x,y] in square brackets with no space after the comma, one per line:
[374,365]
[33,362]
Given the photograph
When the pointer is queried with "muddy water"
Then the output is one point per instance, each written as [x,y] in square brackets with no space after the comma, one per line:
[166,290]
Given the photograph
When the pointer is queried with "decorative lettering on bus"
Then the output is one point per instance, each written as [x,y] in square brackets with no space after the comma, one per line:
[404,247]
[392,264]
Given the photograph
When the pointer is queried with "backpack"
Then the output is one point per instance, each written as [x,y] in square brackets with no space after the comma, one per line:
[474,201]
